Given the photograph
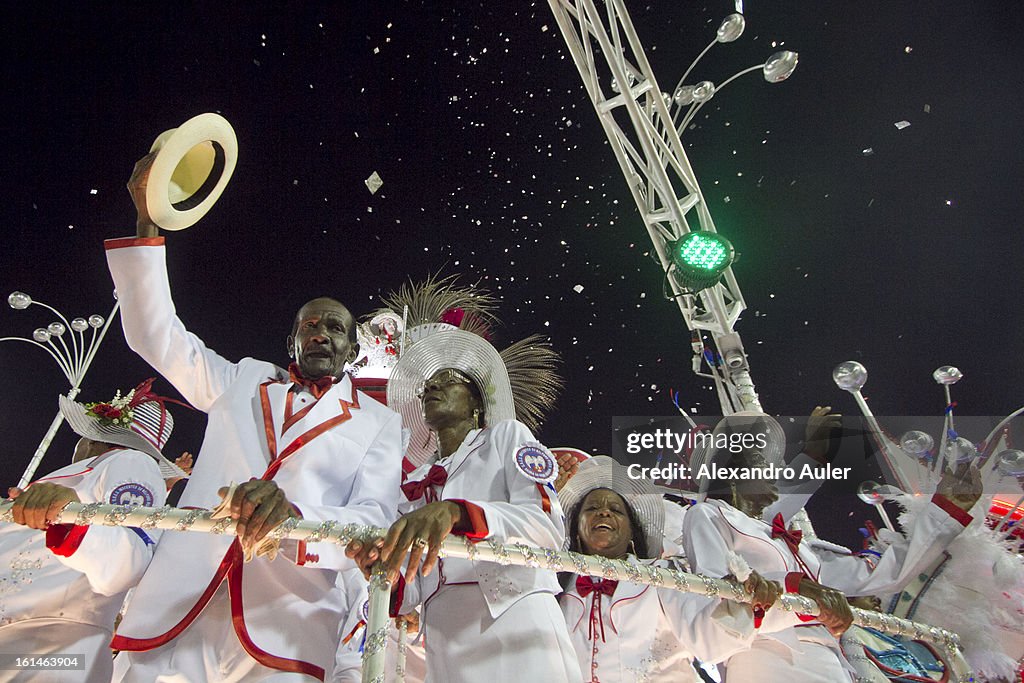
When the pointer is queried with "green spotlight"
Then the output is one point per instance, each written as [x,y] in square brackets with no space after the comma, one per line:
[700,258]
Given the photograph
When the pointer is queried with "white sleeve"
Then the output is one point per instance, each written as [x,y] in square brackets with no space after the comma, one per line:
[712,629]
[152,328]
[708,550]
[114,558]
[933,529]
[372,499]
[532,514]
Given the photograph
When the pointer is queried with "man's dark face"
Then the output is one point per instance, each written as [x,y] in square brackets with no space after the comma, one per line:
[323,338]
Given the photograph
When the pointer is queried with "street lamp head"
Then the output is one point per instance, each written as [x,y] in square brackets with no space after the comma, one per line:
[682,97]
[19,301]
[731,28]
[79,325]
[780,66]
[96,321]
[56,329]
[41,335]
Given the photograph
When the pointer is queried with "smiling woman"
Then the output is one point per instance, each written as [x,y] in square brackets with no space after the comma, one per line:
[636,632]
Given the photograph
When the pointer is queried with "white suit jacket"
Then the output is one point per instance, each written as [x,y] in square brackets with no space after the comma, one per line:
[643,633]
[714,528]
[41,589]
[517,510]
[338,459]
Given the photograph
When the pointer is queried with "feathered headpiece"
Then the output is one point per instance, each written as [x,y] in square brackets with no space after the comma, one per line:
[438,305]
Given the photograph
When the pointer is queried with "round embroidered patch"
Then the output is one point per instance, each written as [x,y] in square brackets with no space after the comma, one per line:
[366,611]
[131,493]
[536,463]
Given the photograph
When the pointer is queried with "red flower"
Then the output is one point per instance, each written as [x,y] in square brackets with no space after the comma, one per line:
[106,410]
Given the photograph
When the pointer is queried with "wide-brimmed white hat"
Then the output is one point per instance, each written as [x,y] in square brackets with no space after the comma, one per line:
[454,349]
[603,472]
[192,167]
[745,421]
[148,430]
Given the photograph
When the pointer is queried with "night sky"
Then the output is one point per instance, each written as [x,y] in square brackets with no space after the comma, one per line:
[904,257]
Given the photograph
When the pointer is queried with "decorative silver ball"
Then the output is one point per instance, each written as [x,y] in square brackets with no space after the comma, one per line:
[96,321]
[56,329]
[41,335]
[731,28]
[79,325]
[916,442]
[947,374]
[870,492]
[960,451]
[1011,463]
[19,301]
[703,91]
[850,376]
[780,66]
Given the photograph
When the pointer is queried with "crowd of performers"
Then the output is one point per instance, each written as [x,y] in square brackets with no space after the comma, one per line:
[447,448]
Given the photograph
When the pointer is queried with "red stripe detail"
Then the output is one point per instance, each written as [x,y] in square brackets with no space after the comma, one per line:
[64,539]
[793,582]
[120,642]
[307,436]
[238,621]
[951,509]
[121,242]
[545,502]
[268,420]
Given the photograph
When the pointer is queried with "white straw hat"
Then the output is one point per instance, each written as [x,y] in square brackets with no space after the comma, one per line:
[192,167]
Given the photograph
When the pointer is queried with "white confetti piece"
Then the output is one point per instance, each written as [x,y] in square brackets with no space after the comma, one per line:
[900,125]
[373,183]
[578,288]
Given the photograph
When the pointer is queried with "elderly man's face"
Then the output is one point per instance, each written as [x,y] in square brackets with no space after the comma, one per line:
[322,339]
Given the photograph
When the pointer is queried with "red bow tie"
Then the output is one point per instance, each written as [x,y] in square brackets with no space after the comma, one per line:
[317,387]
[779,530]
[586,585]
[414,490]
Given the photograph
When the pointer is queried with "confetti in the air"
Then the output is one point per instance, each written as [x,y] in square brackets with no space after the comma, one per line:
[373,183]
[900,125]
[578,289]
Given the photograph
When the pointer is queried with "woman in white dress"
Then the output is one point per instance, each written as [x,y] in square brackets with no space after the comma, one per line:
[630,632]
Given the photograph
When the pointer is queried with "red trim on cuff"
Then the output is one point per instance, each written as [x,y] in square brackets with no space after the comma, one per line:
[473,515]
[121,242]
[793,582]
[300,554]
[397,597]
[64,539]
[951,509]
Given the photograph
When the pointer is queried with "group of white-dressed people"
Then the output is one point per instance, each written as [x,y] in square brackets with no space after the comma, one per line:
[305,442]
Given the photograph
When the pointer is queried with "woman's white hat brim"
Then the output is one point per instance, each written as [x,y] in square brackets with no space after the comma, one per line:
[82,424]
[455,349]
[192,167]
[603,472]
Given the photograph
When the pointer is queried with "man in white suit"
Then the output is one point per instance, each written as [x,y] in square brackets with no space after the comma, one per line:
[302,442]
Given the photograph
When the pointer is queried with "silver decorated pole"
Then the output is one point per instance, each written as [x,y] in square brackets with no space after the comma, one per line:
[377,626]
[174,519]
[403,634]
[73,361]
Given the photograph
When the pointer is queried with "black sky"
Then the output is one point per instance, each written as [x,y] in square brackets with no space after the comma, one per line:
[495,166]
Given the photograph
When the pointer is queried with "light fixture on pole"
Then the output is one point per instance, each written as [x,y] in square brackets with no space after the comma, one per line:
[73,360]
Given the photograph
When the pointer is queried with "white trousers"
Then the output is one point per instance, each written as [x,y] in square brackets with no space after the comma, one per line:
[207,651]
[528,642]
